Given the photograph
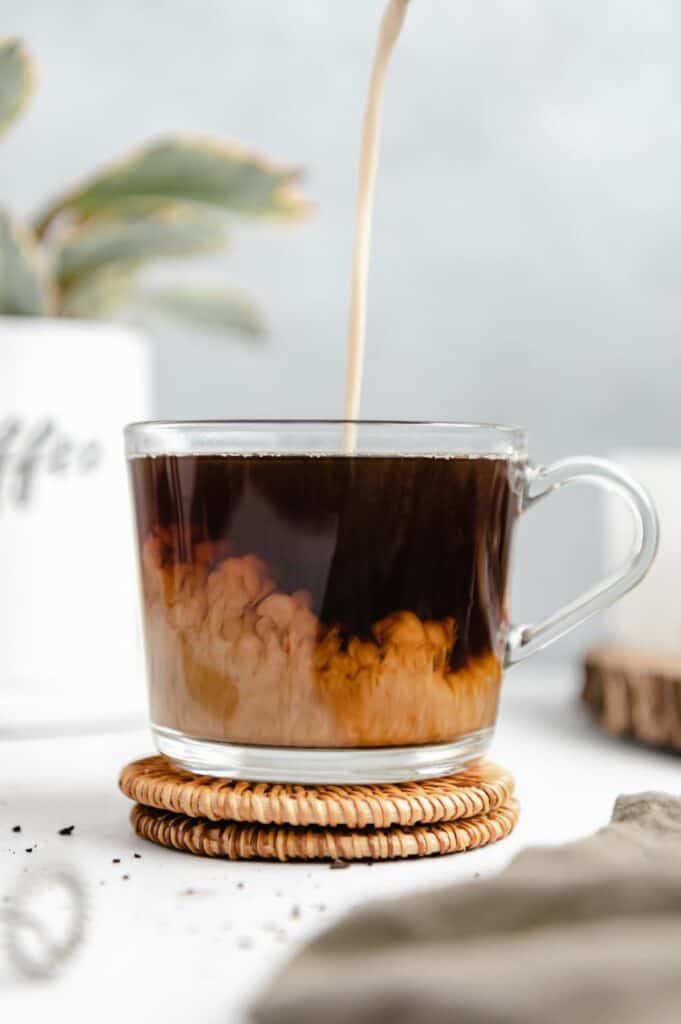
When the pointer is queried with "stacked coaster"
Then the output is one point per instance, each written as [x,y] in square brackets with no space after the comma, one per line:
[248,820]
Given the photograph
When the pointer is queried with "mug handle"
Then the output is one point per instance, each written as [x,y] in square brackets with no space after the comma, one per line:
[540,481]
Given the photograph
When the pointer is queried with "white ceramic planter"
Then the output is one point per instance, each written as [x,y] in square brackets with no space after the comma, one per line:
[70,649]
[650,616]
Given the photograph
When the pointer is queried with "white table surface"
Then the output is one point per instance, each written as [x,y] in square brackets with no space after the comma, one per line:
[154,950]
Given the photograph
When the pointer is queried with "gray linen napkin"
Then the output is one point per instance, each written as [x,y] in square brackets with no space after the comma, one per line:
[586,932]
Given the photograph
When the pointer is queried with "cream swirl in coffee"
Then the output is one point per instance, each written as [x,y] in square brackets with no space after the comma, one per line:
[335,601]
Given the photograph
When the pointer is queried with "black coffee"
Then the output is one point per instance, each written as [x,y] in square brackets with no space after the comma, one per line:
[324,600]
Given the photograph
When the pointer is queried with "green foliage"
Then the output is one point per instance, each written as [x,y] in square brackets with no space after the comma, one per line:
[173,198]
[166,233]
[218,175]
[22,288]
[16,80]
[94,264]
[212,308]
[98,294]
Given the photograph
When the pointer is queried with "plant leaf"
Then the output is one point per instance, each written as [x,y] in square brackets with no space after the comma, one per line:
[98,294]
[194,170]
[16,80]
[22,289]
[210,308]
[177,230]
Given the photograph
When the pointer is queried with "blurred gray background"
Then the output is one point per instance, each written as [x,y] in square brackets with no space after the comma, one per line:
[527,245]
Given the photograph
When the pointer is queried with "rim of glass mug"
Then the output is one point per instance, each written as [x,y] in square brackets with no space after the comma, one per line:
[398,437]
[322,437]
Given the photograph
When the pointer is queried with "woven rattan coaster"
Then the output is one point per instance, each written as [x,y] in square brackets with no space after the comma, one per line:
[154,782]
[239,841]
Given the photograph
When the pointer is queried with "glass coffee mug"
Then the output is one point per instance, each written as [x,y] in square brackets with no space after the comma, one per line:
[319,610]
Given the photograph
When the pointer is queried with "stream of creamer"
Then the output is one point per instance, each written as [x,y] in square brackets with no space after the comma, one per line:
[389,31]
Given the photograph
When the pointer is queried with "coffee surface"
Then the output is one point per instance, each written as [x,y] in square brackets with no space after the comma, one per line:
[324,600]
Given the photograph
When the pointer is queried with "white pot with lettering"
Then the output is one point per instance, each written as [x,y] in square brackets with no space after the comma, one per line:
[70,651]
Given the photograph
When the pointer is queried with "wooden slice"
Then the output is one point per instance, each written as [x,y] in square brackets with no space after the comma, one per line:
[154,782]
[239,841]
[635,693]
